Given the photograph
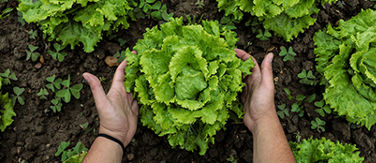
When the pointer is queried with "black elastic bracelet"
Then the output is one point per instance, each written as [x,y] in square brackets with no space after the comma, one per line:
[113,139]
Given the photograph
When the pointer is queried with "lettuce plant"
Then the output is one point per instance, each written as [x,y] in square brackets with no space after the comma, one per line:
[346,58]
[73,22]
[6,110]
[285,17]
[324,150]
[187,79]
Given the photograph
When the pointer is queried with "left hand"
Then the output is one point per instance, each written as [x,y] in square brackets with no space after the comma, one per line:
[117,110]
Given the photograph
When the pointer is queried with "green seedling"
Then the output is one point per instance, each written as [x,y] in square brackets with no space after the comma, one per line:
[288,92]
[54,83]
[17,95]
[283,111]
[32,54]
[311,98]
[153,9]
[33,34]
[120,56]
[72,155]
[43,93]
[323,109]
[295,108]
[56,105]
[318,125]
[300,98]
[7,77]
[84,125]
[5,13]
[288,55]
[69,91]
[121,42]
[57,55]
[193,20]
[307,77]
[227,22]
[263,36]
[231,159]
[200,3]
[102,79]
[20,18]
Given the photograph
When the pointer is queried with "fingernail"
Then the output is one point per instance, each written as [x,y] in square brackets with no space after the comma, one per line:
[269,57]
[87,78]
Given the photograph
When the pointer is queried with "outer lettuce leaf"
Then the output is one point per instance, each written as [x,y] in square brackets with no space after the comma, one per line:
[346,57]
[6,110]
[323,150]
[187,79]
[74,22]
[287,18]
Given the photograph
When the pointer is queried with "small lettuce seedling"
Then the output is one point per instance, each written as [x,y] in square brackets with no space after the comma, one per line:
[76,154]
[57,55]
[153,9]
[323,109]
[7,77]
[6,13]
[43,93]
[283,111]
[69,91]
[288,55]
[318,125]
[264,36]
[307,77]
[33,34]
[288,92]
[17,95]
[31,53]
[53,83]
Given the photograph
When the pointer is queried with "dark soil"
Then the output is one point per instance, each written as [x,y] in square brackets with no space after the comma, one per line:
[36,132]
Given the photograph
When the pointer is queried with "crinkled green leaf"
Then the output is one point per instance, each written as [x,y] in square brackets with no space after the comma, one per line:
[187,79]
[287,18]
[346,57]
[324,150]
[6,110]
[77,22]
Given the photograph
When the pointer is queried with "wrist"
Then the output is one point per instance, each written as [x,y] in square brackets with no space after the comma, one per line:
[263,121]
[121,136]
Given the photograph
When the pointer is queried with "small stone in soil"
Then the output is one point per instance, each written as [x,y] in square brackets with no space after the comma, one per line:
[130,156]
[111,61]
[38,66]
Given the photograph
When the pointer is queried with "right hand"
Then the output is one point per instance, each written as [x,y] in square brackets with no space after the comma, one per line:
[258,95]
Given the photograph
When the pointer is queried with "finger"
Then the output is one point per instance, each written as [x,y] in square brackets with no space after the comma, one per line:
[256,73]
[267,70]
[119,73]
[242,54]
[135,107]
[96,88]
[134,52]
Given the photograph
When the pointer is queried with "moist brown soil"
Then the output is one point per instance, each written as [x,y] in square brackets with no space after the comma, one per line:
[36,131]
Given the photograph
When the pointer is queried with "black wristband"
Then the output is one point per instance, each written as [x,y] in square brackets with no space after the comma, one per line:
[113,139]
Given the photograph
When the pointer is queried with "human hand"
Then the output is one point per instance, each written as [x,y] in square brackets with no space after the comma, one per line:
[258,95]
[117,110]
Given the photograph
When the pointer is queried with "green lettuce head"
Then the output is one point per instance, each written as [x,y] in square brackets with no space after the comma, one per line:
[286,18]
[346,56]
[324,150]
[187,79]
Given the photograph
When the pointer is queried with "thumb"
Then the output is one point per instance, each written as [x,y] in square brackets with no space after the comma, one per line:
[96,89]
[267,70]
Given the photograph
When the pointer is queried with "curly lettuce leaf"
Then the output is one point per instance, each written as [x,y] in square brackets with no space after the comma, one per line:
[6,110]
[187,78]
[77,22]
[286,18]
[324,150]
[346,58]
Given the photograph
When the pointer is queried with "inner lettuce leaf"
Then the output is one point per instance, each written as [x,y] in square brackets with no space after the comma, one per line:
[187,79]
[6,110]
[346,56]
